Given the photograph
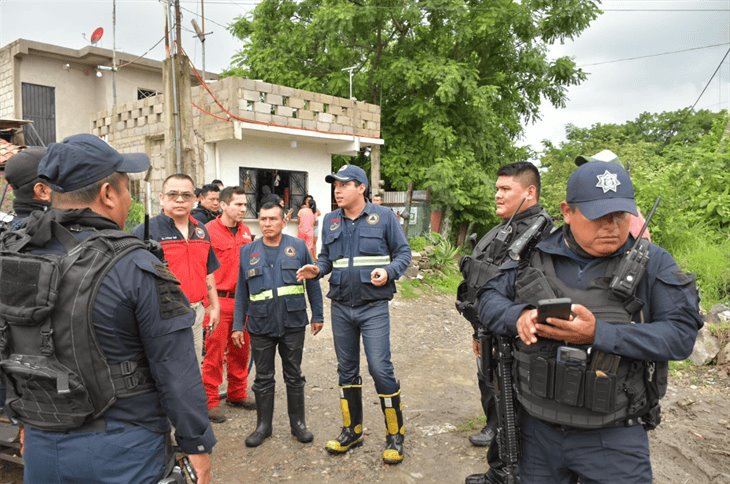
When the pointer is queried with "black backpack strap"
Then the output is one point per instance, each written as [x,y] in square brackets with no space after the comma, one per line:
[60,233]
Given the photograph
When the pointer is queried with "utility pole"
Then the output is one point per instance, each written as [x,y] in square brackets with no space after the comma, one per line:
[114,53]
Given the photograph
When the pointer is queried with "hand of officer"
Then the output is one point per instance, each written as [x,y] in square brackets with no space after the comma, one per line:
[580,329]
[476,347]
[379,277]
[202,466]
[527,326]
[237,337]
[308,271]
[316,328]
[214,317]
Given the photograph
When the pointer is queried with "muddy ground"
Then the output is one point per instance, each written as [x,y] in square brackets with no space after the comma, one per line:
[432,356]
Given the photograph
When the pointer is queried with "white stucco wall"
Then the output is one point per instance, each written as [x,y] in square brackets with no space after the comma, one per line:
[254,152]
[80,95]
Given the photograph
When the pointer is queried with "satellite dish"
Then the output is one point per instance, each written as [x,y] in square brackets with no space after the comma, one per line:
[96,35]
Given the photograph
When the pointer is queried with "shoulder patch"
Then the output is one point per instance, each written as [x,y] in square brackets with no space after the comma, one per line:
[199,233]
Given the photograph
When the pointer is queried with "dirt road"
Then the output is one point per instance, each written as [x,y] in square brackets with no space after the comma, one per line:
[433,359]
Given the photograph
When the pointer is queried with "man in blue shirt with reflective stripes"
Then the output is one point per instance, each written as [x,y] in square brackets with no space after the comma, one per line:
[270,303]
[364,248]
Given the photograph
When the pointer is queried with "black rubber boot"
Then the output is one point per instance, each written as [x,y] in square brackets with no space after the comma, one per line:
[351,405]
[393,412]
[295,406]
[264,416]
[493,476]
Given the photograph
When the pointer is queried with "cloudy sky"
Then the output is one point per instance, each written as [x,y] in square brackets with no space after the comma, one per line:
[616,90]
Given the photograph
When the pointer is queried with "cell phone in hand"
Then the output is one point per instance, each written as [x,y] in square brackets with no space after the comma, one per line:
[553,308]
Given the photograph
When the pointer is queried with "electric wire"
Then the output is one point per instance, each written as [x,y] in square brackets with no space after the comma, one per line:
[654,55]
[710,79]
[142,55]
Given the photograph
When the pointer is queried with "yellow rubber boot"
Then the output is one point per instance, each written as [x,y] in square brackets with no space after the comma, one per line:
[351,434]
[395,430]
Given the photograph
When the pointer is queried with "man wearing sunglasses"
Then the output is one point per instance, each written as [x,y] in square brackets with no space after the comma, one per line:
[189,254]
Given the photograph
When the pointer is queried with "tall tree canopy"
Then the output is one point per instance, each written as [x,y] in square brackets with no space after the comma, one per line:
[456,80]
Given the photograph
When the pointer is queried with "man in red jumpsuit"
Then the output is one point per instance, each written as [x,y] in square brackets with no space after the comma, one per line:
[228,234]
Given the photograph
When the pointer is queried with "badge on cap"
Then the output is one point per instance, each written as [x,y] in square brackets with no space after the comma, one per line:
[608,182]
[290,251]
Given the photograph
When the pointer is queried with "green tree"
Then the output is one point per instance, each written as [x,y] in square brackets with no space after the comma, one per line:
[456,80]
[681,156]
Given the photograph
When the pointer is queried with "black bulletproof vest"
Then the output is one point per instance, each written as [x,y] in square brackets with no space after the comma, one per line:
[603,391]
[58,378]
[486,258]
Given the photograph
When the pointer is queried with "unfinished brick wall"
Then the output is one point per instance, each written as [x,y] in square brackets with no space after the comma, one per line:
[7,78]
[285,106]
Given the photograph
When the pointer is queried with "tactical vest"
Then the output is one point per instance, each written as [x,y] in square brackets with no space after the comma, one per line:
[485,260]
[602,391]
[58,377]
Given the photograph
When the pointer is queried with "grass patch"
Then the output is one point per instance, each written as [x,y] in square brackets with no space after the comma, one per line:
[472,424]
[410,288]
[678,368]
[444,282]
[709,260]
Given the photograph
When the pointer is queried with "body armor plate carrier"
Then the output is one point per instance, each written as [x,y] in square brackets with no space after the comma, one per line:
[601,391]
[57,376]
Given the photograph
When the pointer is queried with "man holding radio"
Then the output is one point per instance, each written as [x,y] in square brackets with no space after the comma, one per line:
[589,386]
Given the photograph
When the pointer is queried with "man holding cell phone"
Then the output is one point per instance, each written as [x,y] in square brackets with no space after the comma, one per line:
[589,382]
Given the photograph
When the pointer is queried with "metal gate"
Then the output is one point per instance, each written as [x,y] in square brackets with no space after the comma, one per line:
[39,106]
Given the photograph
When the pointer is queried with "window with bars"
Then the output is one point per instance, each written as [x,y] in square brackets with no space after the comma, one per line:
[145,93]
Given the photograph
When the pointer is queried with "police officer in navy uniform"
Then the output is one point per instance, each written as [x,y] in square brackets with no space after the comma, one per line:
[139,315]
[30,192]
[517,204]
[589,387]
[365,249]
[270,303]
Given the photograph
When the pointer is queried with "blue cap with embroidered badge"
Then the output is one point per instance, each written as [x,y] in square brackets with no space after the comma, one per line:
[348,173]
[598,188]
[84,159]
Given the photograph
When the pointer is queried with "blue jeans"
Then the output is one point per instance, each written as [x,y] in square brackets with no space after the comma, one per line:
[552,455]
[372,321]
[122,454]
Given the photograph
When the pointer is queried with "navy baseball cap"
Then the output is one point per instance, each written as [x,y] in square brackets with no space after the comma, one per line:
[84,159]
[348,173]
[598,188]
[22,168]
